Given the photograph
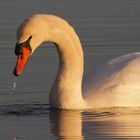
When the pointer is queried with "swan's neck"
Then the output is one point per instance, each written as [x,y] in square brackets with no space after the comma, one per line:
[66,90]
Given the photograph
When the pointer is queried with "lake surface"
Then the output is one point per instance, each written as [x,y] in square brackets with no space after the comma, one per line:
[107,29]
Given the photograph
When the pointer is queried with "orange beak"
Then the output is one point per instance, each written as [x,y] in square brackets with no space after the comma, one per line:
[21,62]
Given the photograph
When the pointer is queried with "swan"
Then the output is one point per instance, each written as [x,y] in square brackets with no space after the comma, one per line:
[114,84]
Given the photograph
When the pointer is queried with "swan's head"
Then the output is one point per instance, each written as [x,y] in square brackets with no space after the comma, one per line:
[30,35]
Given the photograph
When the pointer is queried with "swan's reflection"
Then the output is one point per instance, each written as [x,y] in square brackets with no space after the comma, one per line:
[78,125]
[67,125]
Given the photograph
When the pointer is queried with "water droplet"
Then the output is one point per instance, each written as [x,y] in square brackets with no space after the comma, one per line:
[14,86]
[14,137]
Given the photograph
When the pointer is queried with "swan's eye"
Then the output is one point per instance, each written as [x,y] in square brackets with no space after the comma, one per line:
[19,46]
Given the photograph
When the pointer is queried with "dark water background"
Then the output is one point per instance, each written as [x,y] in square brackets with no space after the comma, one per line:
[107,29]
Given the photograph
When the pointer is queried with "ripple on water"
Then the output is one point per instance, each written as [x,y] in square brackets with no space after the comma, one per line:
[105,123]
[24,109]
[113,123]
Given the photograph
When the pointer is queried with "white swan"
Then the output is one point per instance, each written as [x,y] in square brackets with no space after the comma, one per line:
[117,83]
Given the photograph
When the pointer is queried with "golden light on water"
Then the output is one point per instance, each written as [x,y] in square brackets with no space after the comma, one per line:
[103,123]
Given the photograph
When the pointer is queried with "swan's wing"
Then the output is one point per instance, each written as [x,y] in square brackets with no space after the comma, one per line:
[119,76]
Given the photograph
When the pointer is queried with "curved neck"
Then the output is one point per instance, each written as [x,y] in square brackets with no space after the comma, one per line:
[66,90]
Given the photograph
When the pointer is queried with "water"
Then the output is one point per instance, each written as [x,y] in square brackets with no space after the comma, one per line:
[107,29]
[39,122]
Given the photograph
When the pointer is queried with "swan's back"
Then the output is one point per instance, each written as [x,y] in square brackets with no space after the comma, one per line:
[117,83]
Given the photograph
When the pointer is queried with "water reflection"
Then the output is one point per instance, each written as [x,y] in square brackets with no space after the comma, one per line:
[101,124]
[66,125]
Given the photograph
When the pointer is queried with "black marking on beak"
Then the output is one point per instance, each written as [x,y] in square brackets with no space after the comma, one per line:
[14,72]
[19,46]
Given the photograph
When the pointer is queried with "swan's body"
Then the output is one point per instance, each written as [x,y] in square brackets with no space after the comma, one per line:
[115,84]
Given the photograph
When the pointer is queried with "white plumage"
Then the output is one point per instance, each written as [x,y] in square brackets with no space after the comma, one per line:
[115,84]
